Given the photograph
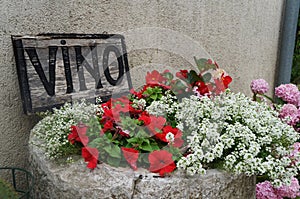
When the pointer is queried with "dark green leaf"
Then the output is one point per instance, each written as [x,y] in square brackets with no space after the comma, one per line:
[206,77]
[113,161]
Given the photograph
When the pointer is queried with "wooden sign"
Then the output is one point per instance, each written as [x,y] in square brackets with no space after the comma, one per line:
[58,68]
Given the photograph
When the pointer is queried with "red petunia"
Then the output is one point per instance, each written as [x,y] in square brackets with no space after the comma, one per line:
[78,134]
[131,155]
[203,88]
[161,162]
[178,141]
[108,126]
[124,133]
[222,84]
[134,111]
[154,77]
[182,74]
[226,80]
[120,104]
[156,124]
[177,134]
[145,118]
[90,155]
[139,95]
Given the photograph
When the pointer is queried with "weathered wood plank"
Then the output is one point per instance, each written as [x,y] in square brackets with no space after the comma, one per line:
[58,68]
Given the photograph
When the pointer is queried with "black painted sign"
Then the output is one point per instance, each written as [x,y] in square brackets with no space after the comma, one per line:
[58,68]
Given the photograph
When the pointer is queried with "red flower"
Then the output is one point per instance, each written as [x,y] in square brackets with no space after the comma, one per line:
[161,162]
[226,80]
[222,84]
[125,133]
[178,141]
[177,134]
[156,124]
[78,134]
[182,74]
[120,104]
[154,77]
[90,155]
[134,111]
[153,85]
[145,118]
[203,88]
[137,94]
[131,155]
[108,126]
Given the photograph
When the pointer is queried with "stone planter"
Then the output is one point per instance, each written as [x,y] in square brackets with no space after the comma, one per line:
[76,181]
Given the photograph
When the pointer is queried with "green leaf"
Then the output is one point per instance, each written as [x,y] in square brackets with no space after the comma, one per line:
[207,77]
[146,146]
[115,151]
[96,142]
[108,135]
[193,77]
[142,134]
[107,148]
[169,76]
[200,63]
[133,140]
[113,161]
[154,96]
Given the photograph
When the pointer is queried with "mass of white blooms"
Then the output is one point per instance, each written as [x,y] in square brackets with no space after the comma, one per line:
[241,134]
[54,129]
[163,107]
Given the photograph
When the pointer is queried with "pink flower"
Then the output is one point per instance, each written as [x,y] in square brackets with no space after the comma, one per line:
[291,191]
[294,155]
[291,111]
[288,93]
[265,190]
[288,110]
[259,86]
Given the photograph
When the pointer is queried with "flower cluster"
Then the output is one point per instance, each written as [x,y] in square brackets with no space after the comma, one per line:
[288,110]
[240,135]
[265,190]
[54,129]
[186,120]
[288,93]
[259,86]
[138,131]
[288,101]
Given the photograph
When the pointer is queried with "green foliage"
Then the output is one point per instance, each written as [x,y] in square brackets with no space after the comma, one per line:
[7,191]
[203,65]
[295,77]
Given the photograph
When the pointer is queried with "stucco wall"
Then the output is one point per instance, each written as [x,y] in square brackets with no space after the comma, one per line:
[242,36]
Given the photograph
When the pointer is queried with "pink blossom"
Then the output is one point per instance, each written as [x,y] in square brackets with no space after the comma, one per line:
[295,154]
[259,86]
[291,191]
[291,111]
[288,93]
[265,190]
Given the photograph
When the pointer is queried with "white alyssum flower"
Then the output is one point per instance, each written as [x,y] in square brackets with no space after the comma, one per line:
[139,104]
[54,129]
[170,137]
[243,134]
[164,107]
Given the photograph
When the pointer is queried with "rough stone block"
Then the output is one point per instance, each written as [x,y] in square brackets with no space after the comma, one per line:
[53,180]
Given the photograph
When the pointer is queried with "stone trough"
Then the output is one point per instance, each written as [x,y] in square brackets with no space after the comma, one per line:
[74,180]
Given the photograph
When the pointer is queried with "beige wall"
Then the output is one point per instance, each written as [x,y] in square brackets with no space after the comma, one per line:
[242,36]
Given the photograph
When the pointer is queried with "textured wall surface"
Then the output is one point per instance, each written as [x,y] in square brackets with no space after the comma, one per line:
[242,36]
[76,181]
